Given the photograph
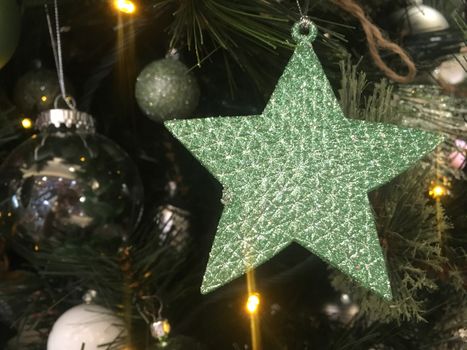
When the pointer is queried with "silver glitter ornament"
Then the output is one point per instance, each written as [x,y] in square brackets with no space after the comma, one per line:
[165,89]
[418,18]
[68,183]
[37,90]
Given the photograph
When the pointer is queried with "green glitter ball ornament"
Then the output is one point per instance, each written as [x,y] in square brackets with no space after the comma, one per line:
[165,90]
[9,29]
[37,90]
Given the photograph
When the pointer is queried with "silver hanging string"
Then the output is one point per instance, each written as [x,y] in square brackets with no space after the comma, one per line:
[57,51]
[303,12]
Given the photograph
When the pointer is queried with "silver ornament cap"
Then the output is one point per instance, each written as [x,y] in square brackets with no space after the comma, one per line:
[160,328]
[67,118]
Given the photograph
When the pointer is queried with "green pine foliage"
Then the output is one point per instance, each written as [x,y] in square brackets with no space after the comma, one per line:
[411,238]
[413,229]
[357,103]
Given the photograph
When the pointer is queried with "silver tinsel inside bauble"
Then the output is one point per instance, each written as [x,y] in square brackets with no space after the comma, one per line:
[68,183]
[166,89]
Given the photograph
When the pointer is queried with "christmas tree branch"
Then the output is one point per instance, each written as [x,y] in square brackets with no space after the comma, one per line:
[412,233]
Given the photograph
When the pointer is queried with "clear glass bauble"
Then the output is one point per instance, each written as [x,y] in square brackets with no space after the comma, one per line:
[68,182]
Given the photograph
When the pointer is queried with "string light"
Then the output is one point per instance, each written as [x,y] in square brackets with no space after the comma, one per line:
[44,98]
[252,303]
[125,6]
[439,189]
[26,123]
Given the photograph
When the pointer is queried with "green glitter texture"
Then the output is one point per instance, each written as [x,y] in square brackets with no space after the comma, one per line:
[300,172]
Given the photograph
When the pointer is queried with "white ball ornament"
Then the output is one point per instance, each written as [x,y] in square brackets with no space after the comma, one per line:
[88,324]
[452,71]
[417,18]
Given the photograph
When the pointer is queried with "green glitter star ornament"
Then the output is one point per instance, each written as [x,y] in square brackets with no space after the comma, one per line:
[300,172]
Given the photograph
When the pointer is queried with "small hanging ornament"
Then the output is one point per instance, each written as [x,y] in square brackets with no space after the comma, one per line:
[67,182]
[165,89]
[160,327]
[37,90]
[89,327]
[172,223]
[417,18]
[173,227]
[9,29]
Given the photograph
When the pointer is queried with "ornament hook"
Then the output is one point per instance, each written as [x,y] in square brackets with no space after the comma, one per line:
[69,100]
[304,31]
[146,313]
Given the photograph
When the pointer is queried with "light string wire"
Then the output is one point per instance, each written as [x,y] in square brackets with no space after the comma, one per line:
[57,52]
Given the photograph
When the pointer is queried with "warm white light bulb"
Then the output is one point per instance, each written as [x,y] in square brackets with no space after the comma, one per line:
[125,6]
[252,303]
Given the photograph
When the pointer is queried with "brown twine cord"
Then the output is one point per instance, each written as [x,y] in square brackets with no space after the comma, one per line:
[376,40]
